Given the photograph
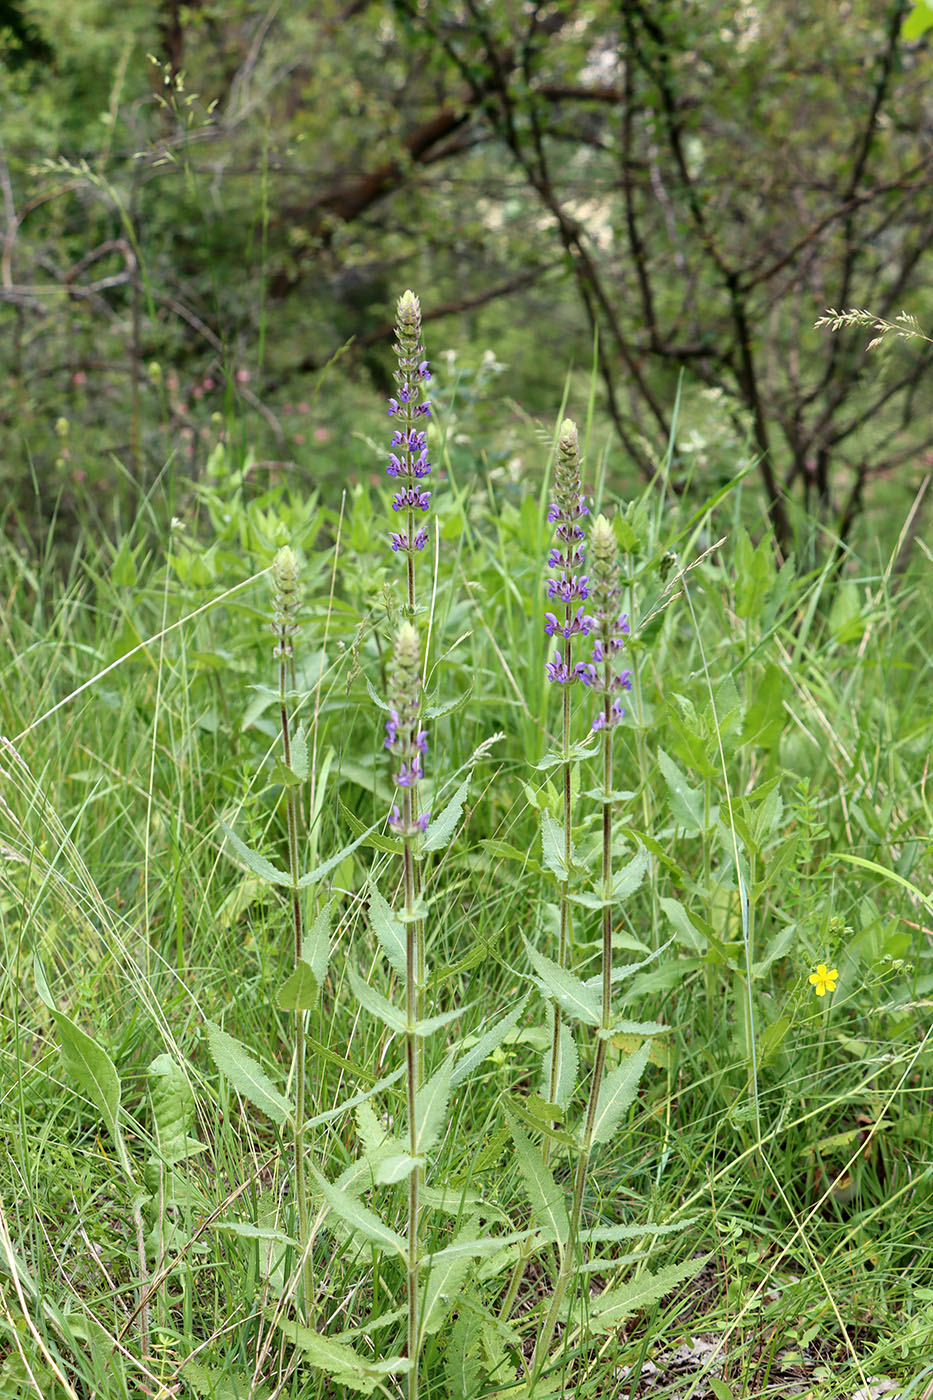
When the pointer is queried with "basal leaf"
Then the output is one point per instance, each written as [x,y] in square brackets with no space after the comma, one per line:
[617,1093]
[173,1108]
[88,1064]
[246,1075]
[617,1304]
[338,1359]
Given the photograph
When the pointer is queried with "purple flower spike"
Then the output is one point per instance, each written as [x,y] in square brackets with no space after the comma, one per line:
[408,462]
[609,626]
[568,585]
[406,741]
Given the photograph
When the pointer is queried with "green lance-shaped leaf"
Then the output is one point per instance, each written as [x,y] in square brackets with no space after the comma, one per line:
[567,1064]
[255,860]
[487,1043]
[617,1304]
[376,1004]
[624,884]
[300,991]
[246,1075]
[338,1359]
[359,1217]
[299,754]
[389,931]
[552,848]
[431,1103]
[617,1093]
[441,830]
[572,995]
[315,945]
[314,877]
[443,1282]
[544,1195]
[173,1108]
[89,1066]
[686,802]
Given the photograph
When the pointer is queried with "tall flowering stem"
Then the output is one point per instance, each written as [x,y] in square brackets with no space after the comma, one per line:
[569,586]
[408,459]
[603,675]
[287,597]
[407,742]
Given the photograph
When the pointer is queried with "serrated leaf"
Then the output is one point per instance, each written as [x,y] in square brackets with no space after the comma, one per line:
[449,706]
[88,1064]
[253,859]
[572,995]
[173,1108]
[246,1075]
[376,1004]
[567,1065]
[552,848]
[545,1197]
[245,1230]
[612,1234]
[463,1368]
[624,883]
[389,931]
[617,1304]
[396,1166]
[441,830]
[300,990]
[556,758]
[494,847]
[315,945]
[299,754]
[639,1028]
[338,1359]
[375,697]
[486,1044]
[314,877]
[617,1093]
[431,1102]
[686,802]
[682,925]
[434,1023]
[359,1217]
[442,1287]
[329,1114]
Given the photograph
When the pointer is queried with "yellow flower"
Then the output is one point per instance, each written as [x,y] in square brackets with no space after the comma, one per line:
[823,979]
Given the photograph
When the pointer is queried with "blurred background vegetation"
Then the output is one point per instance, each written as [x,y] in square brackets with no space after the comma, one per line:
[208,210]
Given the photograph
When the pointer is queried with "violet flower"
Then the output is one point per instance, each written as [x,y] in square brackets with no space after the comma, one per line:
[405,740]
[568,585]
[610,627]
[408,460]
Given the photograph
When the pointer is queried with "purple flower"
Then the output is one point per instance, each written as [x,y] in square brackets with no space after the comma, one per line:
[609,627]
[409,459]
[566,558]
[557,671]
[577,625]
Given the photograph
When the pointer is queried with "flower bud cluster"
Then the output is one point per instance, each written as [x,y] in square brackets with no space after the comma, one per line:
[609,627]
[404,739]
[566,558]
[408,460]
[286,599]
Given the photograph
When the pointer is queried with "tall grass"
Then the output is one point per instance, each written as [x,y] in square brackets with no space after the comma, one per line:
[461,1227]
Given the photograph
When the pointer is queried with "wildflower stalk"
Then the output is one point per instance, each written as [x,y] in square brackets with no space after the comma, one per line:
[285,573]
[410,466]
[565,558]
[568,586]
[407,743]
[609,629]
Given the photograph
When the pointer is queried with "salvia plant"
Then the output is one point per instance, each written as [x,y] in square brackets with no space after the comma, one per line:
[453,1262]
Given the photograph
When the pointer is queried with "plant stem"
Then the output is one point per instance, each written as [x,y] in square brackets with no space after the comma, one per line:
[291,814]
[569,1256]
[413,1063]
